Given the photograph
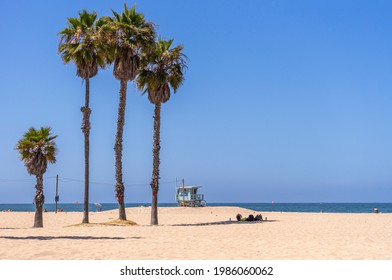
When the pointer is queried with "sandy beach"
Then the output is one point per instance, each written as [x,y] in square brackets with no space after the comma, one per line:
[197,233]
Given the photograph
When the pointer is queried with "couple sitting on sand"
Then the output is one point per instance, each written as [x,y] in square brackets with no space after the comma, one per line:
[250,218]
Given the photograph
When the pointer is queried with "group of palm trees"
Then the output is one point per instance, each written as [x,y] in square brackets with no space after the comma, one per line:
[129,42]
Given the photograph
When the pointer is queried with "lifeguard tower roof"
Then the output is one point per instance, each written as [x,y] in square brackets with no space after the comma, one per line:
[190,187]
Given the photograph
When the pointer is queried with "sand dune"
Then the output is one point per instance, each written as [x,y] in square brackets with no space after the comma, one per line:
[197,233]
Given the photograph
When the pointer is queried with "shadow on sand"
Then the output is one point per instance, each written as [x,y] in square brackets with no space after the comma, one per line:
[225,223]
[66,237]
[11,228]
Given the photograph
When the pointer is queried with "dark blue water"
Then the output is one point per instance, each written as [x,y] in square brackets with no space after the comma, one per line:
[259,207]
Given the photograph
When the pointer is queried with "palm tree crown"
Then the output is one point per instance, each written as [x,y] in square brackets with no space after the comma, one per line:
[131,35]
[163,70]
[81,42]
[36,149]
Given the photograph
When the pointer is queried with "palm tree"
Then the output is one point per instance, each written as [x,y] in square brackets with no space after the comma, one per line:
[164,70]
[37,149]
[81,43]
[130,35]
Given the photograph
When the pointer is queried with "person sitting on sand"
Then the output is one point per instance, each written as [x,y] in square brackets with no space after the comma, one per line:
[250,218]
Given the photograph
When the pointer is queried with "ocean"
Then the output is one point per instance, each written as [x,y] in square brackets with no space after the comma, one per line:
[258,207]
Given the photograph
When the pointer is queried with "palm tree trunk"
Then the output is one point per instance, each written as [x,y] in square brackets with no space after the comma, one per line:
[155,164]
[118,147]
[39,202]
[86,131]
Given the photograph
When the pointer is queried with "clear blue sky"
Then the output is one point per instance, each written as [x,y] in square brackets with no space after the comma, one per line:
[283,100]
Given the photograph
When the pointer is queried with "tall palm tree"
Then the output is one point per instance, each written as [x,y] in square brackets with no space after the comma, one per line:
[130,35]
[37,149]
[81,43]
[164,70]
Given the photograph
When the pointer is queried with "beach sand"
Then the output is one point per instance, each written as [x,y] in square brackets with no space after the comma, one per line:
[197,233]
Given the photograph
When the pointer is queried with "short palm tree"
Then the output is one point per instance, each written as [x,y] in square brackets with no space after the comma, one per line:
[163,71]
[37,149]
[130,35]
[81,43]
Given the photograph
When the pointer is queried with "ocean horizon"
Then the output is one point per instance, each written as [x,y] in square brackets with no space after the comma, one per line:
[258,207]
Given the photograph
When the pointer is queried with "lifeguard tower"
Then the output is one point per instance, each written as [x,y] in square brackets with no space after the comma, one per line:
[187,196]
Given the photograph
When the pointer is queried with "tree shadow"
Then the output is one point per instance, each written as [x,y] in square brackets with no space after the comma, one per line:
[67,237]
[224,223]
[11,228]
